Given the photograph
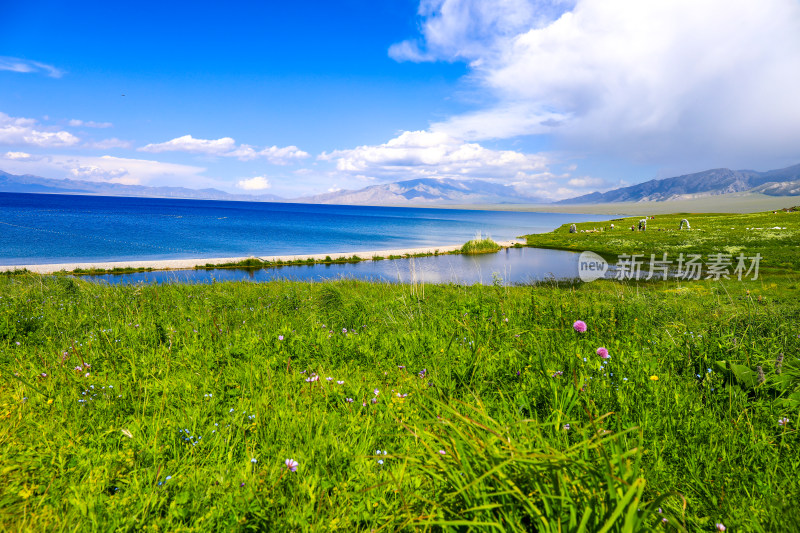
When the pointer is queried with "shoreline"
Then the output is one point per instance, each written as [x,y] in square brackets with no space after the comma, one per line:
[188,264]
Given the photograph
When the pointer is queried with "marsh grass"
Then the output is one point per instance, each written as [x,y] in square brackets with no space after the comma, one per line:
[142,407]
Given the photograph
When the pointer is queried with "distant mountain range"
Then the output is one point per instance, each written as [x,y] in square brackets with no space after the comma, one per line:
[783,182]
[411,192]
[427,191]
[36,184]
[432,191]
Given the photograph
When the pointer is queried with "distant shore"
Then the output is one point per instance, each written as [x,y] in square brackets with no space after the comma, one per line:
[183,264]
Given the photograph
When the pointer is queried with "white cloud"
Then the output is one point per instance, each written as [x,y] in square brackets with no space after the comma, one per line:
[586,182]
[112,169]
[17,155]
[136,171]
[258,183]
[273,154]
[654,81]
[434,154]
[226,147]
[15,64]
[416,154]
[17,131]
[90,124]
[187,143]
[468,29]
[107,144]
[96,173]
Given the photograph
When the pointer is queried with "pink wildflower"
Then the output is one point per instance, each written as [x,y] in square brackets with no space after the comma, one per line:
[602,352]
[291,464]
[579,326]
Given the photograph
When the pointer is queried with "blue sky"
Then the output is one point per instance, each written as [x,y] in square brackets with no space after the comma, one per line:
[554,97]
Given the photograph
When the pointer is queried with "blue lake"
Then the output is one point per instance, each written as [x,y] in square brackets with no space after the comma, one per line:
[46,228]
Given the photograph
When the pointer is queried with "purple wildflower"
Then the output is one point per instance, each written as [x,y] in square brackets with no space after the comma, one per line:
[280,337]
[783,421]
[579,326]
[291,464]
[602,352]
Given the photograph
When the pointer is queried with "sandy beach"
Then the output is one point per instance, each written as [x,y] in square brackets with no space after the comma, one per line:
[179,264]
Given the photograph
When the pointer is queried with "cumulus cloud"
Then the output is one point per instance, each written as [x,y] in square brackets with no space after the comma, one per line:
[18,131]
[416,154]
[649,81]
[435,154]
[259,183]
[15,64]
[75,123]
[227,147]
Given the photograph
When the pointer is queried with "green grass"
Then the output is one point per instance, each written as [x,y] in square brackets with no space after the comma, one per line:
[480,245]
[710,234]
[90,448]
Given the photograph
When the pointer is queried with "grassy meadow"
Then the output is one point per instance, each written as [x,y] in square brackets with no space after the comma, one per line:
[351,406]
[773,234]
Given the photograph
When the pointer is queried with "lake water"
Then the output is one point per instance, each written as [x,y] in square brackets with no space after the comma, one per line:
[508,267]
[46,228]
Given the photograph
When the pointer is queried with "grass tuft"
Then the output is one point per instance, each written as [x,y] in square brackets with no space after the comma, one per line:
[480,245]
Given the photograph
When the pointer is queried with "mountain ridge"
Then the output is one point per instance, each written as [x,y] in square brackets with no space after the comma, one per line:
[696,185]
